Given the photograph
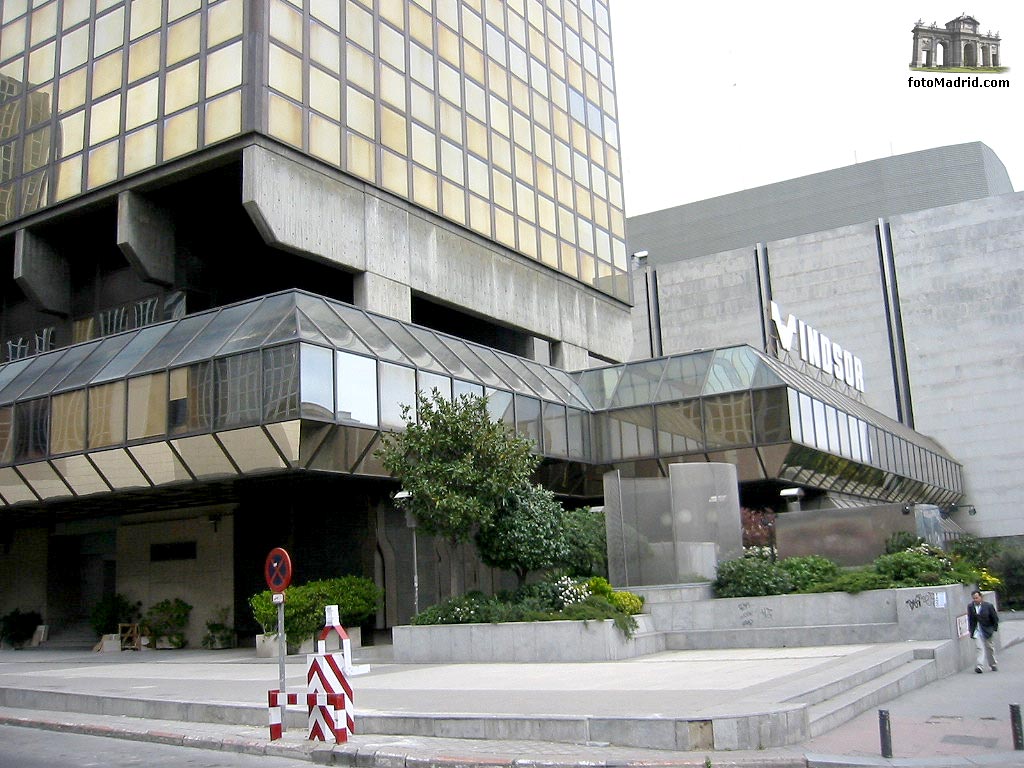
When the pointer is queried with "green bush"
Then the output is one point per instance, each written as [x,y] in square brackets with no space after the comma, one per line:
[627,602]
[860,580]
[913,568]
[809,570]
[977,552]
[17,627]
[168,618]
[750,577]
[357,598]
[600,586]
[111,611]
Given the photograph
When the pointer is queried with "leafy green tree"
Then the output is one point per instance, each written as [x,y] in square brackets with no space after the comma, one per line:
[526,534]
[457,465]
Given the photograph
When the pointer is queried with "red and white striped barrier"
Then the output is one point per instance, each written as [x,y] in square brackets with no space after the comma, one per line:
[277,707]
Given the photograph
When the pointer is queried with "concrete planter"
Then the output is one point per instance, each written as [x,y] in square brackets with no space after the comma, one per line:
[266,645]
[537,641]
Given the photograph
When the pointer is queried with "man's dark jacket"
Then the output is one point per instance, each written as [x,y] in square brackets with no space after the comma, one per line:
[986,616]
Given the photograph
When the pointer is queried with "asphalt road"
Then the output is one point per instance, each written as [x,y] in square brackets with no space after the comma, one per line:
[32,748]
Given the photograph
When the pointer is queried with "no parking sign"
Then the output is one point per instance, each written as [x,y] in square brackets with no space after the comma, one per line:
[278,570]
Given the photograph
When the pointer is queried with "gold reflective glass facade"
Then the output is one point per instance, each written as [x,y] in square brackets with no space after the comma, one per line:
[498,115]
[91,92]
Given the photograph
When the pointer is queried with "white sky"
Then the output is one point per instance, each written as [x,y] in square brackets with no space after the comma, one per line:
[718,97]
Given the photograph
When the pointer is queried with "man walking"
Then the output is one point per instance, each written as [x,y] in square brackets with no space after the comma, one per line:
[983,622]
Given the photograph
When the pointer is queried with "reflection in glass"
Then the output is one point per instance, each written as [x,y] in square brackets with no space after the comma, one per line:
[31,429]
[528,419]
[555,436]
[626,434]
[680,427]
[317,385]
[397,389]
[237,391]
[190,405]
[499,406]
[147,406]
[6,434]
[639,383]
[357,389]
[728,420]
[428,382]
[460,388]
[281,382]
[107,414]
[578,424]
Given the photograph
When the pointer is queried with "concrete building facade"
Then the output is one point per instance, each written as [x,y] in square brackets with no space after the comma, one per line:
[928,300]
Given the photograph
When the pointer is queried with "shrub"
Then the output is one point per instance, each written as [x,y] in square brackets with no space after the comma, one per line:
[913,568]
[978,552]
[471,608]
[17,627]
[168,618]
[111,611]
[809,570]
[357,598]
[627,602]
[750,577]
[598,585]
[854,582]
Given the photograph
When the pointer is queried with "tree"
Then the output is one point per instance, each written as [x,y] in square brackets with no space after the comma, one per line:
[457,465]
[526,534]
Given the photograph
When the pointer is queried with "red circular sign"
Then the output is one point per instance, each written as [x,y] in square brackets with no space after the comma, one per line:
[278,570]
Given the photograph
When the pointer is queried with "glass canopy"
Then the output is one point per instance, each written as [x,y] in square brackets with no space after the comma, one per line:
[251,387]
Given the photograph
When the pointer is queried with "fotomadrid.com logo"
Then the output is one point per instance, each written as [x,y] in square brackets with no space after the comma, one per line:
[943,54]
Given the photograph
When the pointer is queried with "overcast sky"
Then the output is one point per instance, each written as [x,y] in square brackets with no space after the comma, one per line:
[719,97]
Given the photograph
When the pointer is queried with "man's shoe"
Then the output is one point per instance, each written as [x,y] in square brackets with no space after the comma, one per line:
[978,670]
[995,667]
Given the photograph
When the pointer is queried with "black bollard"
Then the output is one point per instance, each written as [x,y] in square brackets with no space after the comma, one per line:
[1018,733]
[885,732]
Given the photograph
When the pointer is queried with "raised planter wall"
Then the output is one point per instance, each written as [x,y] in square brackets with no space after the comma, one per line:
[535,641]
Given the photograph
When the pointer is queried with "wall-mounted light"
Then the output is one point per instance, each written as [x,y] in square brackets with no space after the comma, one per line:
[792,493]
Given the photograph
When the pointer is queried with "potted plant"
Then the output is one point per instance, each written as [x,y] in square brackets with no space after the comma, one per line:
[219,631]
[165,623]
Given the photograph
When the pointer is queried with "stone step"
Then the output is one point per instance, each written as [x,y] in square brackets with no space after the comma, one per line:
[836,710]
[781,637]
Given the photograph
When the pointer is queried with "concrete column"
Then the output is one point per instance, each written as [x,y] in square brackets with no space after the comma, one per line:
[145,235]
[569,357]
[376,293]
[42,273]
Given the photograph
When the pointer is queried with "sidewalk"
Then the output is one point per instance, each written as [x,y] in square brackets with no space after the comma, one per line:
[961,720]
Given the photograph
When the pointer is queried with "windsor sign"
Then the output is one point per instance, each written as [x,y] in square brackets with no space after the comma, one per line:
[817,349]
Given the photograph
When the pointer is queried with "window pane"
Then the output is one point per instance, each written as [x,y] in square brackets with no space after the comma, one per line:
[555,437]
[460,388]
[31,429]
[67,425]
[317,383]
[237,391]
[499,406]
[428,382]
[147,406]
[106,414]
[357,389]
[281,382]
[771,415]
[728,420]
[190,406]
[627,434]
[6,434]
[528,419]
[578,423]
[397,388]
[680,428]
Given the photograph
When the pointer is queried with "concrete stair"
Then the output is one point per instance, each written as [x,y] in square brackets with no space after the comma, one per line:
[71,637]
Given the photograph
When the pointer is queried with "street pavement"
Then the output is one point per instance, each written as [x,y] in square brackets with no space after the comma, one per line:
[962,720]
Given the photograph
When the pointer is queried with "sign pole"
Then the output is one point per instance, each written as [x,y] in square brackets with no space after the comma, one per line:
[278,572]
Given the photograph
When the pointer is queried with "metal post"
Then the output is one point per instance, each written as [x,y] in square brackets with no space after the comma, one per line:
[281,650]
[415,576]
[885,732]
[1018,734]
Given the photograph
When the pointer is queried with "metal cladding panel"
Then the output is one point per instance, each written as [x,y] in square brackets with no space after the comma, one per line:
[80,475]
[12,488]
[44,480]
[204,457]
[159,463]
[119,470]
[251,449]
[285,435]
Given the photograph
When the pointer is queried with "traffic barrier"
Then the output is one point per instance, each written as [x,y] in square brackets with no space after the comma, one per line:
[276,704]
